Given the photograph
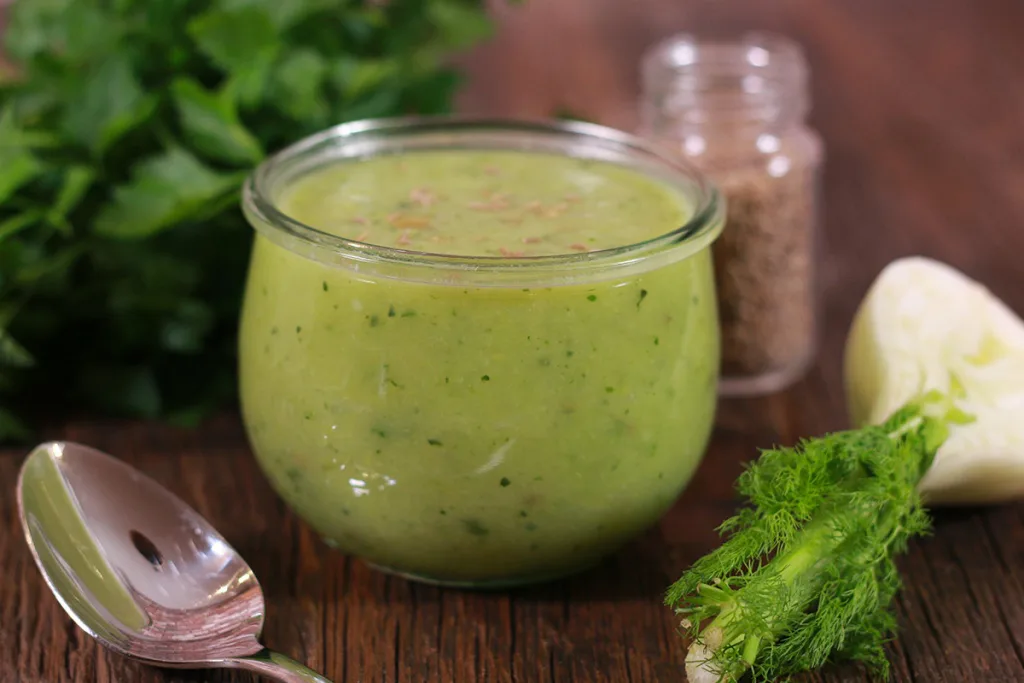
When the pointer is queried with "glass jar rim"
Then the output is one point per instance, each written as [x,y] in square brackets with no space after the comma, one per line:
[756,51]
[374,137]
[759,78]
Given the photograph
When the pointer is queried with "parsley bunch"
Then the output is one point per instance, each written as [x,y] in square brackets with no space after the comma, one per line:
[126,129]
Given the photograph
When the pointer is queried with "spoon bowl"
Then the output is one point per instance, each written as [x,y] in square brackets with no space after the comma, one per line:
[138,569]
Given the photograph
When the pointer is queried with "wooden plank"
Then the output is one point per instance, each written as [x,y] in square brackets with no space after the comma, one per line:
[921,113]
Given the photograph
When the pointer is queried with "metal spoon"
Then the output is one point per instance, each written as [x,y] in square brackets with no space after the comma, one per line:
[141,571]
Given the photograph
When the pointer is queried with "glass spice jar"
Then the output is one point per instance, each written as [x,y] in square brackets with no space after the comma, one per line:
[737,110]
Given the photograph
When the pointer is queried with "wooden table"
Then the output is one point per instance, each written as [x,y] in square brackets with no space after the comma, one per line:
[922,109]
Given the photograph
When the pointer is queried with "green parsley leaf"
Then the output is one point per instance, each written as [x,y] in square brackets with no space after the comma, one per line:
[17,223]
[33,27]
[298,86]
[210,122]
[77,181]
[164,190]
[17,167]
[14,136]
[235,38]
[43,267]
[458,24]
[13,354]
[284,15]
[248,85]
[110,102]
[354,77]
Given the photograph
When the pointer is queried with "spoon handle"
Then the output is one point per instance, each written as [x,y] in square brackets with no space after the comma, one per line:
[277,666]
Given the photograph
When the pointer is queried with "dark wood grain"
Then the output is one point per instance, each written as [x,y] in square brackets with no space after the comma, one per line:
[921,106]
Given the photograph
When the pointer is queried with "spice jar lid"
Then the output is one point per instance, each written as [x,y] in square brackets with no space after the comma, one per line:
[761,76]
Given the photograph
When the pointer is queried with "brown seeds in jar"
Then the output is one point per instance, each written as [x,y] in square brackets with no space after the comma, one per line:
[764,271]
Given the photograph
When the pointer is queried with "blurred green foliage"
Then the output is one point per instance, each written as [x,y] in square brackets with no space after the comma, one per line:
[124,139]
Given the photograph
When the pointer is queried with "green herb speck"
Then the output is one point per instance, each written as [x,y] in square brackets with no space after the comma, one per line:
[434,442]
[444,512]
[474,527]
[643,295]
[609,390]
[522,513]
[592,297]
[374,321]
[325,285]
[273,330]
[391,311]
[294,475]
[568,354]
[505,481]
[409,314]
[308,416]
[655,341]
[379,432]
[485,378]
[298,329]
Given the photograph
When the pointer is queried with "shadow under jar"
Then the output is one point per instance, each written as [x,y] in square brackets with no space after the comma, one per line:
[479,353]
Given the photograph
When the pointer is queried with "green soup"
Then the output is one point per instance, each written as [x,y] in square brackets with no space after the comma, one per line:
[468,432]
[487,203]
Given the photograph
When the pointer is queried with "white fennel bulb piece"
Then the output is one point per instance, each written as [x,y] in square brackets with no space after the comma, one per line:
[699,665]
[922,326]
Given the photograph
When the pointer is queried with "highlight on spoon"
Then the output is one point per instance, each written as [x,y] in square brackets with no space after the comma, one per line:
[68,555]
[132,564]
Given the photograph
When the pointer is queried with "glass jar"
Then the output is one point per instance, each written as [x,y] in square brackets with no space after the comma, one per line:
[477,420]
[737,110]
